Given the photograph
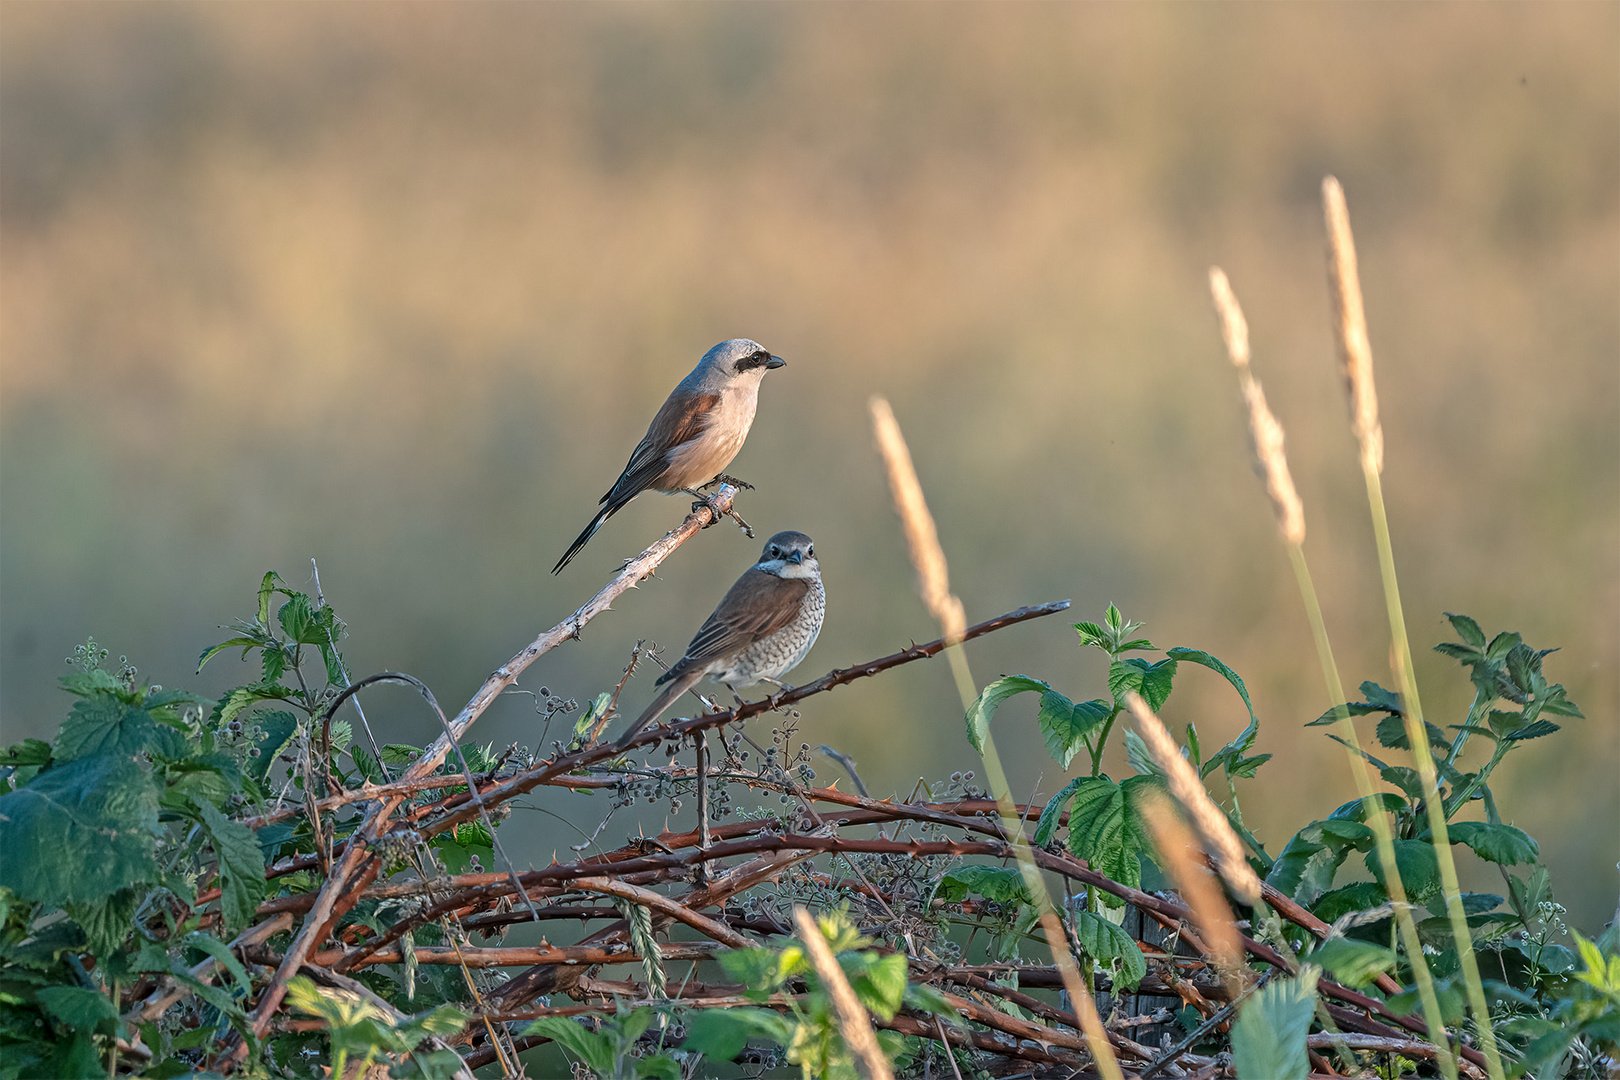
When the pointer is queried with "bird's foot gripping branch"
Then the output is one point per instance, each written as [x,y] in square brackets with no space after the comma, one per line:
[168,855]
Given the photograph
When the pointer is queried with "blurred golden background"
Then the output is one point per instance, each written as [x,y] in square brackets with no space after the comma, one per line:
[397,288]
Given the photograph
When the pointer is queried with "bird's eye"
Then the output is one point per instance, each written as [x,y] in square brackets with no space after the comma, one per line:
[775,551]
[811,551]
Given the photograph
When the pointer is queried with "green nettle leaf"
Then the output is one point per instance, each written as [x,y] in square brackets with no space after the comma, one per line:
[1102,940]
[241,866]
[1268,1040]
[1498,843]
[1150,681]
[990,699]
[93,682]
[721,1034]
[105,725]
[1199,656]
[254,641]
[1351,962]
[79,831]
[1003,884]
[26,753]
[296,617]
[106,921]
[1418,864]
[81,1009]
[594,1049]
[278,727]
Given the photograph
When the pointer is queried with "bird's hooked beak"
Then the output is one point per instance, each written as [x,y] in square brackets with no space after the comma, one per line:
[775,362]
[797,558]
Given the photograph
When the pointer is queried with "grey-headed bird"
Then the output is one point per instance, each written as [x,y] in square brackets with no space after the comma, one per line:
[696,433]
[761,630]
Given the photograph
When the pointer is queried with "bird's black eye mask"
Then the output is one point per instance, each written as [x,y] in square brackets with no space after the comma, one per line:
[754,360]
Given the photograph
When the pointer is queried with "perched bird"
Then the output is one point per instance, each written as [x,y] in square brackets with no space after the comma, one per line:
[698,430]
[761,630]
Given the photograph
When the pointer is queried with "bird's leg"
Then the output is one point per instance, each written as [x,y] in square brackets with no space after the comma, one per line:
[701,874]
[781,688]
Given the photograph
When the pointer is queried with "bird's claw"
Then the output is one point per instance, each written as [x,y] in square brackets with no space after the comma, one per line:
[723,478]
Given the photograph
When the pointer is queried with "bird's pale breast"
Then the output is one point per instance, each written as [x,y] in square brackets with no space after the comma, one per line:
[701,459]
[774,656]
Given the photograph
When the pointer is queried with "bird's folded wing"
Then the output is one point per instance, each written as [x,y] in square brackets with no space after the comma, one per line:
[681,419]
[757,606]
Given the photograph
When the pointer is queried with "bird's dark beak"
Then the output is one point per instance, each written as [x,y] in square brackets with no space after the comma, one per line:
[797,558]
[775,362]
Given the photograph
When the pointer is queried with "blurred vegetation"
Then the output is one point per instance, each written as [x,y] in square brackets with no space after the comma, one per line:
[397,288]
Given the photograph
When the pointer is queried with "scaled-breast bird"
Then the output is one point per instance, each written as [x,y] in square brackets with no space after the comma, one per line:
[761,630]
[696,433]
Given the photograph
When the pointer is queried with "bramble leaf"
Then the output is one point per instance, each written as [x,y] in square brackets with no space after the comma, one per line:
[1102,940]
[1498,843]
[1268,1040]
[990,699]
[1150,681]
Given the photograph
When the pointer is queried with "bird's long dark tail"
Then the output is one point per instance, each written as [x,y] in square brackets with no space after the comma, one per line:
[585,537]
[666,697]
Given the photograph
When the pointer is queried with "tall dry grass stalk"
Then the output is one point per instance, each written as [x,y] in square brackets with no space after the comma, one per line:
[1189,792]
[1180,851]
[933,577]
[1356,352]
[853,1022]
[1355,347]
[1265,433]
[1274,469]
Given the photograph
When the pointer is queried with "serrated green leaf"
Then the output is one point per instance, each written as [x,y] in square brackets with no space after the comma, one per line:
[26,753]
[106,726]
[1048,823]
[106,921]
[1150,681]
[1003,884]
[722,1034]
[880,984]
[1467,629]
[267,590]
[279,727]
[593,1048]
[92,682]
[1104,941]
[1337,903]
[81,1009]
[79,831]
[1531,731]
[1404,778]
[1351,962]
[241,866]
[296,617]
[1268,1040]
[1392,733]
[1062,725]
[244,642]
[1501,645]
[990,699]
[1418,864]
[272,664]
[1103,833]
[1499,843]
[1199,656]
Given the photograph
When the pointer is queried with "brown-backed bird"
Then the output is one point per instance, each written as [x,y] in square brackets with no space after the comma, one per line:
[761,630]
[696,433]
